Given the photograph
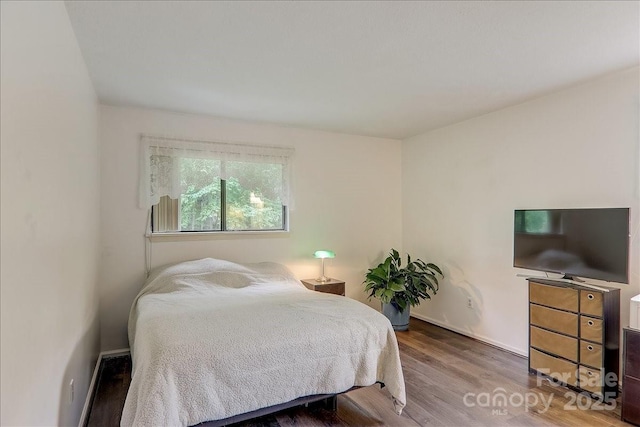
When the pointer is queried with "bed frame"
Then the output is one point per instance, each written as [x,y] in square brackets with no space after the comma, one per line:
[329,401]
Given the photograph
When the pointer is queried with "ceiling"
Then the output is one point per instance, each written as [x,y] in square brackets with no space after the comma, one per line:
[388,69]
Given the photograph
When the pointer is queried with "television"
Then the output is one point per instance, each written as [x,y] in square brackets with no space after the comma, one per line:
[587,243]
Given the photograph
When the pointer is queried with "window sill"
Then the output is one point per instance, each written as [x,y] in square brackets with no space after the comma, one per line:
[212,235]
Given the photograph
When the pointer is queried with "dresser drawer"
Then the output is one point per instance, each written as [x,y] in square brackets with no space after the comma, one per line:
[557,368]
[554,296]
[591,303]
[560,345]
[591,354]
[632,353]
[556,320]
[590,379]
[591,329]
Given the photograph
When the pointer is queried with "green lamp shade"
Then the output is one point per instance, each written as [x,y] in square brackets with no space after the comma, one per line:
[324,254]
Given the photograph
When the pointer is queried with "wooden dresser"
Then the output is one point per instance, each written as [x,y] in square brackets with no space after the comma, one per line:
[631,379]
[574,335]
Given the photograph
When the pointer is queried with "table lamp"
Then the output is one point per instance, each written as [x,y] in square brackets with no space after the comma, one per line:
[322,255]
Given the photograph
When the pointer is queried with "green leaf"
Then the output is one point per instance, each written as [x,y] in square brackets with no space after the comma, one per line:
[436,268]
[381,271]
[396,286]
[386,265]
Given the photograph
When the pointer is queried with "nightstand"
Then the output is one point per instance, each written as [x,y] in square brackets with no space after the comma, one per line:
[333,286]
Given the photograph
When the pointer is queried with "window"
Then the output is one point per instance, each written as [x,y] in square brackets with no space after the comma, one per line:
[201,186]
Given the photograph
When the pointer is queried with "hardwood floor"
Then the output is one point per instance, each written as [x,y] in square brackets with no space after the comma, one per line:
[451,380]
[114,377]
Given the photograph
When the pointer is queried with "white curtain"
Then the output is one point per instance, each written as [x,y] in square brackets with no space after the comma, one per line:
[160,166]
[165,215]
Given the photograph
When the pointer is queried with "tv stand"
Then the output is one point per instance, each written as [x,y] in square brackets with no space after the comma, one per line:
[574,335]
[567,279]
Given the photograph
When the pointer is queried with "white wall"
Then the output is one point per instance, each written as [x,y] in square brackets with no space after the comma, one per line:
[50,217]
[575,148]
[347,199]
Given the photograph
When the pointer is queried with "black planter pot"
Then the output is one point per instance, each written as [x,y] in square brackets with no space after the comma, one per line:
[399,319]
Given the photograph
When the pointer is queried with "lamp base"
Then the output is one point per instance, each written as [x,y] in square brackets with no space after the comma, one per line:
[323,279]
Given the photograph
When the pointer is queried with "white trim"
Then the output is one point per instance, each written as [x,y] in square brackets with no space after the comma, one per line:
[484,339]
[115,353]
[92,384]
[209,235]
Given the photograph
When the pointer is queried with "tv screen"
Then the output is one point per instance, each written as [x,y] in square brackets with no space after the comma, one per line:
[590,243]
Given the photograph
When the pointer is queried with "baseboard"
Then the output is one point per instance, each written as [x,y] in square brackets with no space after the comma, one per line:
[484,339]
[92,384]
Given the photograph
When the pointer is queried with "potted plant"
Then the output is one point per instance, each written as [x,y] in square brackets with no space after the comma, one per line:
[399,288]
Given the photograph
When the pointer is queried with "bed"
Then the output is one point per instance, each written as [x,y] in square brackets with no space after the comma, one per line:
[211,339]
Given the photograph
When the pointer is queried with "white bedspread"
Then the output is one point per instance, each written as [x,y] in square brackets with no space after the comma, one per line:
[211,339]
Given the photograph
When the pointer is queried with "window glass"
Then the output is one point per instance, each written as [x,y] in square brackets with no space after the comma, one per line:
[200,208]
[250,198]
[253,196]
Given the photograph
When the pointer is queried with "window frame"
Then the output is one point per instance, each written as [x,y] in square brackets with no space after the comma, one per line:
[223,218]
[155,182]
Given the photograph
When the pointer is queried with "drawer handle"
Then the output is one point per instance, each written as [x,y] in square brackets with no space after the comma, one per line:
[590,373]
[590,322]
[590,296]
[590,347]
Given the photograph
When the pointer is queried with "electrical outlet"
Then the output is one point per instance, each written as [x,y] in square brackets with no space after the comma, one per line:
[72,391]
[469,302]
